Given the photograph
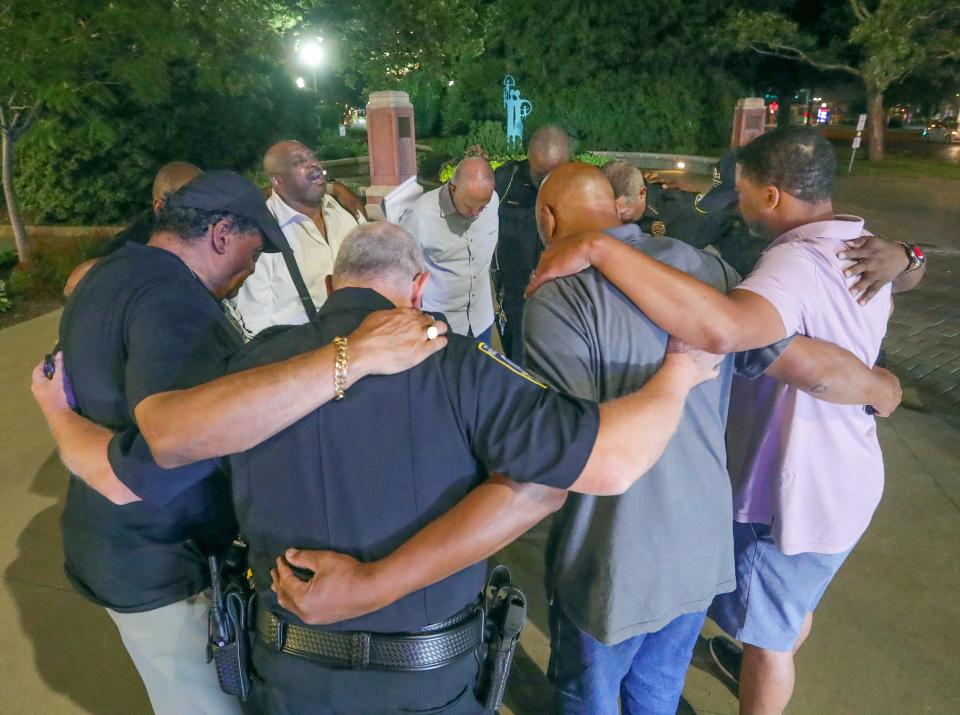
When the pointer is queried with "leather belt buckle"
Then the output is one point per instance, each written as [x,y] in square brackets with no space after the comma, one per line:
[360,651]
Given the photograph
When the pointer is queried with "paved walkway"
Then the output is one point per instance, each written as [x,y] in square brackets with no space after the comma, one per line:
[885,638]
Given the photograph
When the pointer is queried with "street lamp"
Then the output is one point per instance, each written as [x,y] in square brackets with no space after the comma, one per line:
[301,83]
[312,55]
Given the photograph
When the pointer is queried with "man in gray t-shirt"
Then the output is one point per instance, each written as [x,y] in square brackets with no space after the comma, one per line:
[623,569]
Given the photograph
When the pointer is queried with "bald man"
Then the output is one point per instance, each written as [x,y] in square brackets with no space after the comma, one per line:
[630,577]
[169,178]
[457,227]
[314,224]
[519,247]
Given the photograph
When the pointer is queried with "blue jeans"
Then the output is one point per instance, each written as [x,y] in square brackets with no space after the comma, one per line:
[647,671]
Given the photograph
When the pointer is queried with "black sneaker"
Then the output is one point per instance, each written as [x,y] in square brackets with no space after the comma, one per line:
[727,656]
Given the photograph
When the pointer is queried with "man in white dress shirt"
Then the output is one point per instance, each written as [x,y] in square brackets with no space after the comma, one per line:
[457,226]
[314,225]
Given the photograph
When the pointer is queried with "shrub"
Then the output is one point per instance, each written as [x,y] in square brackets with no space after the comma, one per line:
[53,259]
[446,172]
[671,110]
[5,303]
[20,283]
[8,258]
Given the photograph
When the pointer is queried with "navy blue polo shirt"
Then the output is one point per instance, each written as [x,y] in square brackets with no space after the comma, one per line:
[130,330]
[362,475]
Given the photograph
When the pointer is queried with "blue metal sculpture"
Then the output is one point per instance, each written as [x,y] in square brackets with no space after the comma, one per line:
[517,108]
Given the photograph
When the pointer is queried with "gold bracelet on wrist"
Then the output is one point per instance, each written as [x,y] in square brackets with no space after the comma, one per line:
[340,368]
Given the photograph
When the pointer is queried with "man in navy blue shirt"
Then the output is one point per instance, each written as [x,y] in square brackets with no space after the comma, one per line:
[364,474]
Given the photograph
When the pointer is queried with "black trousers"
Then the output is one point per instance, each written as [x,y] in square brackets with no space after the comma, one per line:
[290,685]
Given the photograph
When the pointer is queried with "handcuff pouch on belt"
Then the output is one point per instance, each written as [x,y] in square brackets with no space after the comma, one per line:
[505,607]
[229,621]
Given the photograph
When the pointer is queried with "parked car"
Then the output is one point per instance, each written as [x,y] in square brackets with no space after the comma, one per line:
[942,131]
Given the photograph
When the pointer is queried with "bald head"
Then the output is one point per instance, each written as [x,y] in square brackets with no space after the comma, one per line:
[296,174]
[574,197]
[276,158]
[471,187]
[170,178]
[549,147]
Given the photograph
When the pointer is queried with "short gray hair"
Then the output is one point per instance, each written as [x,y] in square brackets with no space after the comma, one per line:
[626,179]
[379,251]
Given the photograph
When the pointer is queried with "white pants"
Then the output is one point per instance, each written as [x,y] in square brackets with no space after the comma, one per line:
[168,647]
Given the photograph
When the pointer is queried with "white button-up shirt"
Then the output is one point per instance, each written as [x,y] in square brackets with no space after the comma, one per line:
[269,297]
[458,252]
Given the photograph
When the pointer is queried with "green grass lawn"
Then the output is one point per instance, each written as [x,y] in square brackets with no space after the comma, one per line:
[896,166]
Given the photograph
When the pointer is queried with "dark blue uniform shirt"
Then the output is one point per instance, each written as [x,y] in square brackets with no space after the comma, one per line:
[364,474]
[138,324]
[518,248]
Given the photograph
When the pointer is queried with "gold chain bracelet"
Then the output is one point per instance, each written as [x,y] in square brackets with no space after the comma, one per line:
[340,368]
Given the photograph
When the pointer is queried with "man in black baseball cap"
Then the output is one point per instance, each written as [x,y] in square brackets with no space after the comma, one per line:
[227,191]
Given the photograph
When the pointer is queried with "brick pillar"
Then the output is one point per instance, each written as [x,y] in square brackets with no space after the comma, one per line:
[391,141]
[749,121]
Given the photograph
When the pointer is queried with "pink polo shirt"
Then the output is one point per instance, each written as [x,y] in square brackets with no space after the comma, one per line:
[810,469]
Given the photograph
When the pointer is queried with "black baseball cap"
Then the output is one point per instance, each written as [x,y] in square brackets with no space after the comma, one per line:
[724,189]
[222,190]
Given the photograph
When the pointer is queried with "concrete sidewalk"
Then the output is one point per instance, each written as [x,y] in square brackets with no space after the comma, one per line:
[885,638]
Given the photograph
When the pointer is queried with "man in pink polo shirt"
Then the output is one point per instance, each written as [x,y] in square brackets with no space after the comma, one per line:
[807,475]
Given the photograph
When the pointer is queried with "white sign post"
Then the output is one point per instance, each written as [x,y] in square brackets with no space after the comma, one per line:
[861,123]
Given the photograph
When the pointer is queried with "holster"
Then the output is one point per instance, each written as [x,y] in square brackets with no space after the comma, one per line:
[505,608]
[230,621]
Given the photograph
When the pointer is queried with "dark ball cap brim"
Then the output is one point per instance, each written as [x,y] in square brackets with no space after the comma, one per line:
[724,191]
[222,190]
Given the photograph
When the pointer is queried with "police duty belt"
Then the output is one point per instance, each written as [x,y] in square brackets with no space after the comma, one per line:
[432,647]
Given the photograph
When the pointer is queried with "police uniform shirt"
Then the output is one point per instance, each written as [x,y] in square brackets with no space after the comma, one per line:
[364,474]
[129,331]
[673,213]
[519,247]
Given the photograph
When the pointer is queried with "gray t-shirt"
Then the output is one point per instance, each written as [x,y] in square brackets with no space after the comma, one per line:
[627,565]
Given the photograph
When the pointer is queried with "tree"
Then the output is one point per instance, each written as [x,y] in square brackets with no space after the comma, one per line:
[76,59]
[879,43]
[414,46]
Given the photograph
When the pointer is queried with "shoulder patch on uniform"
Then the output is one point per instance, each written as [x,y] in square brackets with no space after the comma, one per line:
[510,365]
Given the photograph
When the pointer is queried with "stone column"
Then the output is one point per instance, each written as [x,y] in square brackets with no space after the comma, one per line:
[391,146]
[749,121]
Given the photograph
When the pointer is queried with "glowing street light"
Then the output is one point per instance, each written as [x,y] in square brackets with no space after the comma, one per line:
[312,56]
[311,53]
[301,83]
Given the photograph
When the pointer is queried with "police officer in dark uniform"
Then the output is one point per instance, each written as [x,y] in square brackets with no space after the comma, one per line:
[519,246]
[363,474]
[707,219]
